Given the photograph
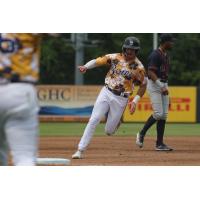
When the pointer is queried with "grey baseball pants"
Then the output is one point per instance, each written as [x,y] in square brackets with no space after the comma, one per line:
[160,102]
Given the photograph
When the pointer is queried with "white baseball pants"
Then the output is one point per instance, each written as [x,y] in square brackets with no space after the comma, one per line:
[108,104]
[18,123]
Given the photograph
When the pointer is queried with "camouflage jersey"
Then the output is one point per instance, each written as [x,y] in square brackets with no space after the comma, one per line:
[19,57]
[120,76]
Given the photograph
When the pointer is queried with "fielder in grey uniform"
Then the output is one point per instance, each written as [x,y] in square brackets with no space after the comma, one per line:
[157,87]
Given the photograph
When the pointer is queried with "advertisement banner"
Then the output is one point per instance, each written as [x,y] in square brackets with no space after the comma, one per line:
[78,101]
[67,100]
[183,106]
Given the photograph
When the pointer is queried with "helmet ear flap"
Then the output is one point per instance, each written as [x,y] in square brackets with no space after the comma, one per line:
[123,49]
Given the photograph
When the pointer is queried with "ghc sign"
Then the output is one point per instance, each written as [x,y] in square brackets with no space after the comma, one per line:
[182,109]
[54,93]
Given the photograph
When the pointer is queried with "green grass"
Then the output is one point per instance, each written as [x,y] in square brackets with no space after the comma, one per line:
[76,129]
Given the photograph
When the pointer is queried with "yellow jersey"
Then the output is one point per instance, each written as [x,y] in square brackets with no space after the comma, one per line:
[19,56]
[120,76]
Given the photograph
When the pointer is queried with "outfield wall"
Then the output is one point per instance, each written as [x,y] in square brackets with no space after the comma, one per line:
[198,104]
[75,103]
[183,106]
[66,103]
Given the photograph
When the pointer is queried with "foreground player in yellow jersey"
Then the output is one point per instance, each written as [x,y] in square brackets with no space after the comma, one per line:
[19,69]
[125,71]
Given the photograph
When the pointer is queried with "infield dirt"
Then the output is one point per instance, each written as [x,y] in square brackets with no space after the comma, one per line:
[122,151]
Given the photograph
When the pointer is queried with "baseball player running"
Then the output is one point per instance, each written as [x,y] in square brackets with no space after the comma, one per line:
[19,69]
[157,87]
[125,70]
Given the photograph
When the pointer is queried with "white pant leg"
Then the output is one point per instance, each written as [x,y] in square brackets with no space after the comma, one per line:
[101,107]
[117,107]
[3,149]
[22,137]
[18,111]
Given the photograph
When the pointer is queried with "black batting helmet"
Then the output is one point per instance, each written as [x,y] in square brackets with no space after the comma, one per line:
[131,43]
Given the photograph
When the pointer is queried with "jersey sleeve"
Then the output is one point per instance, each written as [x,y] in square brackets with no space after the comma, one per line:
[105,60]
[139,63]
[139,73]
[153,61]
[142,68]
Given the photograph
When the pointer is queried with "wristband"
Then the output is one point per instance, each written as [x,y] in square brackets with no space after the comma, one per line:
[91,64]
[136,99]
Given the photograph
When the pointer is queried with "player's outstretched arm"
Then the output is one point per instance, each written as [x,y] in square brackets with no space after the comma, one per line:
[89,65]
[94,63]
[82,69]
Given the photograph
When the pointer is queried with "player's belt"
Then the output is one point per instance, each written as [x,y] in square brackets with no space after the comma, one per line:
[163,80]
[122,94]
[24,81]
[4,81]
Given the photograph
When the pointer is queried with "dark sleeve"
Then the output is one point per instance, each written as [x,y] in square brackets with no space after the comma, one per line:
[154,61]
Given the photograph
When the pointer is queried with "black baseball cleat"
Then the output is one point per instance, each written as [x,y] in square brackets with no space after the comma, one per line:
[163,147]
[139,140]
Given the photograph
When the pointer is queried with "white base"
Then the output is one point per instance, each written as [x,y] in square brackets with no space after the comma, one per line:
[52,161]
